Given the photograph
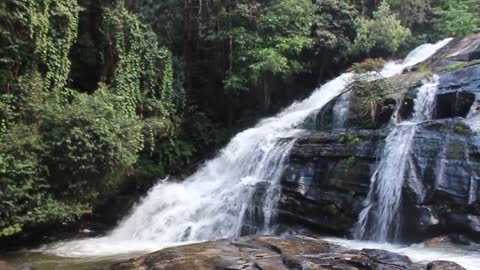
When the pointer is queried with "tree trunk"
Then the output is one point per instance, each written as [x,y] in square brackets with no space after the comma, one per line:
[323,65]
[266,94]
[187,44]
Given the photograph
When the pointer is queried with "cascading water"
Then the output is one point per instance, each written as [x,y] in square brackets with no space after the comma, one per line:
[235,191]
[340,111]
[379,220]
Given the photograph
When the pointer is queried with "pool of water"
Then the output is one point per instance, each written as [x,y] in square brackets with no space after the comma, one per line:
[42,261]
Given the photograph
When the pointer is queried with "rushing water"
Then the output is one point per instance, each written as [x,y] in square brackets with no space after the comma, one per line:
[232,194]
[468,257]
[380,219]
[340,111]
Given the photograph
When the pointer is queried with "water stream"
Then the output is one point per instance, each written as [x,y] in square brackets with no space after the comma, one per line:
[232,194]
[380,219]
[469,258]
[340,111]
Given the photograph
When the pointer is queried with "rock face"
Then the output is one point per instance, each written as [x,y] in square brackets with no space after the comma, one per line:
[272,253]
[5,266]
[329,173]
[327,179]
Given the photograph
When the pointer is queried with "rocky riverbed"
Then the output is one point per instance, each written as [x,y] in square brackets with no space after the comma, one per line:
[275,253]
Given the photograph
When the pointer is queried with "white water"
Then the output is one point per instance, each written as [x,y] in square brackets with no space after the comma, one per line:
[236,189]
[419,253]
[380,220]
[340,111]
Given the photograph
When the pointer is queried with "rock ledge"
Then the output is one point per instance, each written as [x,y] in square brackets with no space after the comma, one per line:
[273,253]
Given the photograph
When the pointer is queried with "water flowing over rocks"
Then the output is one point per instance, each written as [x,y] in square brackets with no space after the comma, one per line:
[274,253]
[329,171]
[309,169]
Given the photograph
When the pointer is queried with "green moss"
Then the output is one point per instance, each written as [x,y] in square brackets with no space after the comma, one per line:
[349,162]
[456,151]
[332,210]
[424,70]
[349,138]
[455,67]
[460,128]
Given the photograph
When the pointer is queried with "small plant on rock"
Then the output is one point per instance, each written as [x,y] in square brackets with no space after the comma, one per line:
[369,65]
[368,90]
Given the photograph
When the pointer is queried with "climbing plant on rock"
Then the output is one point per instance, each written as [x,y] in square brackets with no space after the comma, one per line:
[143,68]
[53,26]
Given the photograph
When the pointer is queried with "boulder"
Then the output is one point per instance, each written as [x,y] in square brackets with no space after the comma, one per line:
[443,265]
[5,266]
[457,51]
[466,49]
[268,253]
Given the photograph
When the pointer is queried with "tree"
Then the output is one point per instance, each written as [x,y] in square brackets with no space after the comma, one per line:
[412,12]
[382,34]
[266,43]
[333,30]
[456,17]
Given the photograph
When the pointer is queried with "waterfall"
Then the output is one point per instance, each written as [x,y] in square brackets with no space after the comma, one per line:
[234,193]
[239,187]
[340,111]
[380,219]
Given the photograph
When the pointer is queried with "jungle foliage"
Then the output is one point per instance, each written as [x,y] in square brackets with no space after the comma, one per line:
[92,92]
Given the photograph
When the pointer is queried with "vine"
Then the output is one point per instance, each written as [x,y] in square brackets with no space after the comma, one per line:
[53,27]
[139,61]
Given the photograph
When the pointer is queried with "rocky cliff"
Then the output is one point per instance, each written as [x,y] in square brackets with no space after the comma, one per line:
[329,172]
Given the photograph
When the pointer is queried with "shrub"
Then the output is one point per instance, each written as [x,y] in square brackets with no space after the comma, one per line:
[89,143]
[456,18]
[383,32]
[369,65]
[24,190]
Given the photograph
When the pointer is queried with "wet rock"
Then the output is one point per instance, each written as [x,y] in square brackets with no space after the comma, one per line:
[457,104]
[427,218]
[5,266]
[268,253]
[458,50]
[466,49]
[452,240]
[461,80]
[443,265]
[388,258]
[329,175]
[468,224]
[439,241]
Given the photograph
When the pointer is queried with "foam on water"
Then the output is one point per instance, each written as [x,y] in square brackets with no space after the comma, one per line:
[419,253]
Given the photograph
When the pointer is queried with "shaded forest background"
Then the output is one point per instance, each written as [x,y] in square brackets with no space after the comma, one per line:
[103,97]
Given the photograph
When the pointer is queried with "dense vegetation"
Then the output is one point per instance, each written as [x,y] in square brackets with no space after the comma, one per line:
[92,92]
